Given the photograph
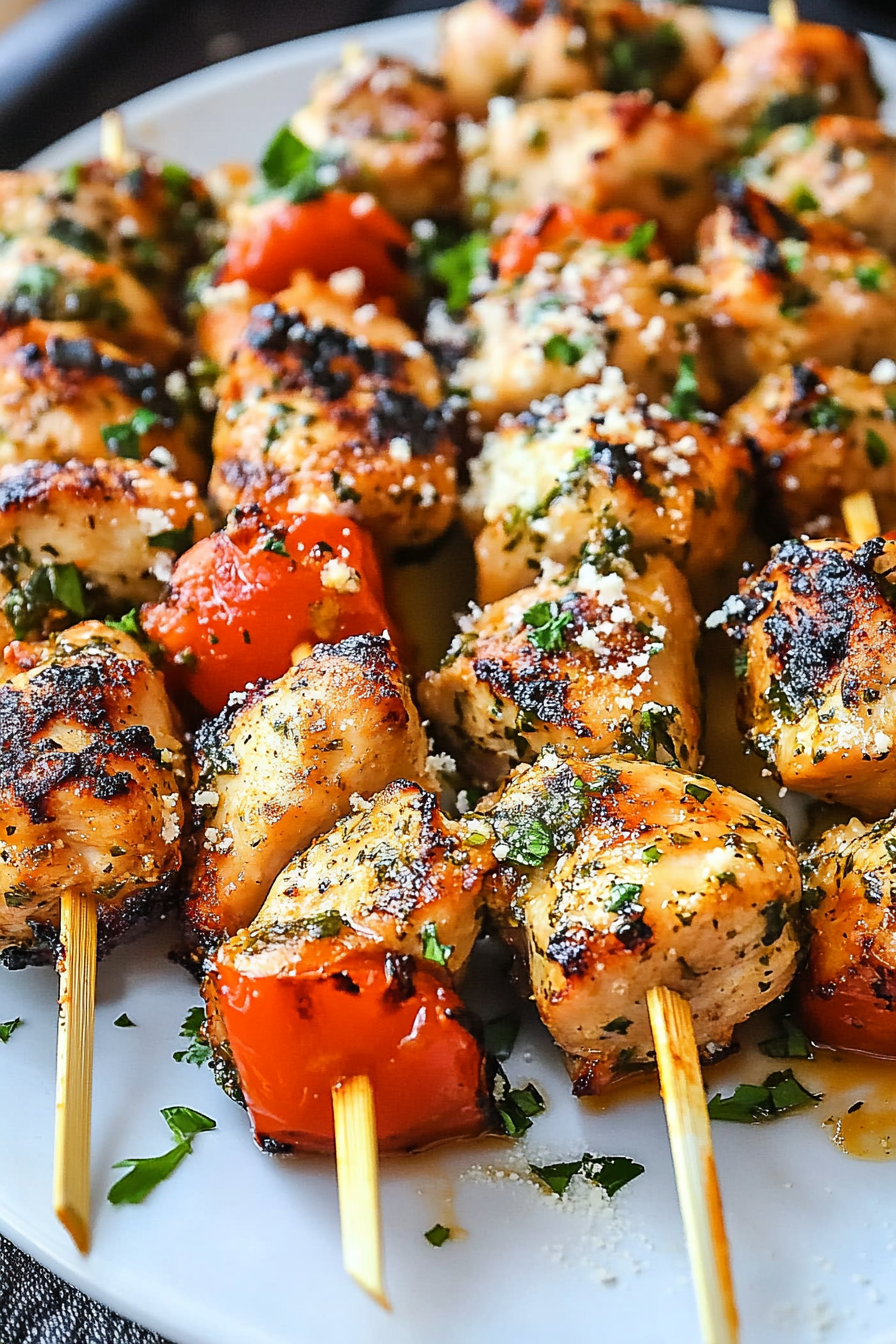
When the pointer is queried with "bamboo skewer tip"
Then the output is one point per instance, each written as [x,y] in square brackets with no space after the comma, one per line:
[784,14]
[687,1118]
[74,1067]
[113,141]
[860,516]
[357,1171]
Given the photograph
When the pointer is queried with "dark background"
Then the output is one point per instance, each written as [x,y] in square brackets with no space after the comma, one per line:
[102,52]
[61,66]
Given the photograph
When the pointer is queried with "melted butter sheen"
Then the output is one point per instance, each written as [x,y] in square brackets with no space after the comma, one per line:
[866,1130]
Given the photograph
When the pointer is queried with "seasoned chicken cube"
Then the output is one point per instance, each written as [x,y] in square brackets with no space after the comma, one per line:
[816,634]
[820,433]
[596,151]
[280,765]
[560,474]
[98,535]
[43,279]
[323,411]
[389,130]
[778,75]
[847,991]
[347,969]
[64,398]
[782,291]
[553,322]
[617,875]
[152,218]
[839,168]
[601,662]
[91,766]
[556,51]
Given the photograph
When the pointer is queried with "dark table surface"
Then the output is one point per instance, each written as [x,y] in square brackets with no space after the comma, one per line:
[103,52]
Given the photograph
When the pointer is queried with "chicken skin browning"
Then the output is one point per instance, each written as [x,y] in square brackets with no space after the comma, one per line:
[778,75]
[535,50]
[602,662]
[280,764]
[839,168]
[58,394]
[816,633]
[596,151]
[847,991]
[121,524]
[581,306]
[92,766]
[616,875]
[781,291]
[389,129]
[819,434]
[348,969]
[557,476]
[322,413]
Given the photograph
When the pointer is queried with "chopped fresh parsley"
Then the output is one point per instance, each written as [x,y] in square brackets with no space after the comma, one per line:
[516,1106]
[128,624]
[698,792]
[751,1103]
[776,914]
[610,1173]
[29,603]
[275,544]
[500,1035]
[684,403]
[783,110]
[793,1043]
[557,1175]
[622,895]
[198,1051]
[639,60]
[549,821]
[801,198]
[876,449]
[72,234]
[325,925]
[148,1172]
[559,349]
[546,624]
[457,267]
[7,1028]
[651,854]
[829,414]
[291,168]
[438,1234]
[125,1021]
[796,298]
[177,539]
[870,276]
[433,950]
[638,242]
[123,438]
[652,735]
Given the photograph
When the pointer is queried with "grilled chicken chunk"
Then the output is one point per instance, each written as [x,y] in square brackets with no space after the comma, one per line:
[153,219]
[280,765]
[43,279]
[558,50]
[581,305]
[64,398]
[847,991]
[781,291]
[323,411]
[778,75]
[347,969]
[569,469]
[839,168]
[820,433]
[90,774]
[120,524]
[616,875]
[596,151]
[601,662]
[816,633]
[389,129]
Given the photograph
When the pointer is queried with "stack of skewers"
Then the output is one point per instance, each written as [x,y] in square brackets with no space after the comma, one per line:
[677,297]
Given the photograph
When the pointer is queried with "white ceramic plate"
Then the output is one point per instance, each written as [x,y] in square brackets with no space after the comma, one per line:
[240,1248]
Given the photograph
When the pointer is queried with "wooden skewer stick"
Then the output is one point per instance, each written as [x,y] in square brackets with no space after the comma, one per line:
[687,1119]
[74,1067]
[113,141]
[357,1172]
[860,516]
[784,14]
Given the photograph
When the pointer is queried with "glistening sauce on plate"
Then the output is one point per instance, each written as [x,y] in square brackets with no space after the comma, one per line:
[859,1101]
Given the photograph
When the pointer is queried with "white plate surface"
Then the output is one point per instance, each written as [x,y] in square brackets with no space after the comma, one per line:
[240,1248]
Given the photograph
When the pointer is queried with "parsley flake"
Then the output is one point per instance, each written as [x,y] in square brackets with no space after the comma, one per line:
[457,267]
[698,792]
[7,1028]
[438,1234]
[148,1172]
[751,1103]
[610,1173]
[793,1043]
[546,624]
[177,539]
[123,438]
[198,1052]
[500,1035]
[684,403]
[559,349]
[876,449]
[433,950]
[275,544]
[516,1106]
[870,276]
[125,1021]
[290,168]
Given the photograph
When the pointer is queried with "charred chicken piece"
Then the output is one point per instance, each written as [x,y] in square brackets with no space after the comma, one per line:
[92,767]
[602,661]
[816,634]
[281,764]
[349,967]
[559,475]
[819,433]
[615,875]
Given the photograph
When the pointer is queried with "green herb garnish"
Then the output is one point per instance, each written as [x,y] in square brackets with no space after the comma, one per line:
[148,1172]
[610,1173]
[438,1234]
[125,1021]
[275,544]
[876,449]
[198,1051]
[500,1035]
[684,403]
[559,349]
[29,603]
[870,276]
[751,1103]
[546,624]
[290,168]
[177,539]
[698,792]
[457,267]
[7,1028]
[829,414]
[517,1106]
[801,198]
[123,438]
[433,950]
[72,234]
[793,1043]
